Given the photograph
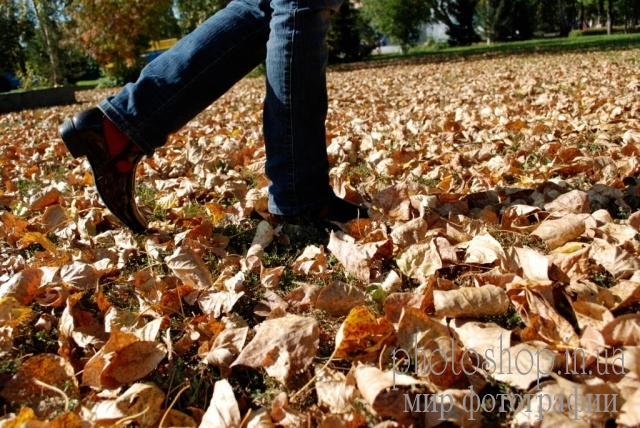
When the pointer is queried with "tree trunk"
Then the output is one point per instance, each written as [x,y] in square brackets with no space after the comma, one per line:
[609,16]
[52,48]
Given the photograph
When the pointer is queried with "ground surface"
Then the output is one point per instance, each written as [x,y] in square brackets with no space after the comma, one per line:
[503,200]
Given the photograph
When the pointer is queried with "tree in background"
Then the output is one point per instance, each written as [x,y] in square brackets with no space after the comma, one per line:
[192,13]
[116,32]
[398,19]
[14,26]
[503,20]
[458,16]
[350,37]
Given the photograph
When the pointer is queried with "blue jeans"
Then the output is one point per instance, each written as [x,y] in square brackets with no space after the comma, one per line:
[291,36]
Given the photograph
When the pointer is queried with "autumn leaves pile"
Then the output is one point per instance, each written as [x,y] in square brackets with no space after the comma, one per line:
[504,202]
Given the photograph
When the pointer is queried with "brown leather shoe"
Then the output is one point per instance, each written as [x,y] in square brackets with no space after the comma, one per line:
[113,158]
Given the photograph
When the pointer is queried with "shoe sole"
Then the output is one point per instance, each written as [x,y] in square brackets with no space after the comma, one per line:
[71,139]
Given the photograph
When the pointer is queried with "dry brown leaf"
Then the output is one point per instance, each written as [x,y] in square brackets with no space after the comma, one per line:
[282,346]
[429,346]
[380,390]
[410,232]
[303,297]
[312,261]
[44,198]
[141,403]
[336,391]
[623,331]
[420,261]
[545,323]
[270,277]
[563,390]
[22,286]
[483,338]
[79,276]
[482,301]
[49,369]
[629,415]
[483,249]
[123,359]
[534,265]
[338,298]
[620,263]
[556,233]
[217,303]
[223,411]
[361,332]
[190,268]
[351,256]
[572,202]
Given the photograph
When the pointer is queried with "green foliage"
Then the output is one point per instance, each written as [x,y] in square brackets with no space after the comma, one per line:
[14,25]
[503,20]
[399,19]
[193,13]
[116,33]
[350,37]
[458,16]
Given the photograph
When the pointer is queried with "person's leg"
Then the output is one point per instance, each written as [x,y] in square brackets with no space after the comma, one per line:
[296,106]
[183,81]
[170,91]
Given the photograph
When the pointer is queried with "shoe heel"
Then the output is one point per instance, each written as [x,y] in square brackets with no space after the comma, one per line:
[72,139]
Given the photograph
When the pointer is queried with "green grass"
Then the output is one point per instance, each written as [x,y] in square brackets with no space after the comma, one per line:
[541,45]
[86,84]
[421,54]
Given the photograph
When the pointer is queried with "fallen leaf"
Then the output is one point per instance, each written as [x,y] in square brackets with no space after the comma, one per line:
[190,268]
[282,346]
[475,302]
[556,233]
[223,411]
[48,369]
[338,298]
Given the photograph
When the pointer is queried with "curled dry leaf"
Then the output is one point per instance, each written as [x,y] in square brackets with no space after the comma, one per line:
[572,202]
[53,296]
[270,277]
[312,261]
[435,354]
[474,302]
[282,346]
[556,233]
[534,265]
[380,390]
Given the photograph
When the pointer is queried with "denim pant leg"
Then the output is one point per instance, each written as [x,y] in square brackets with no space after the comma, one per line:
[296,106]
[183,81]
